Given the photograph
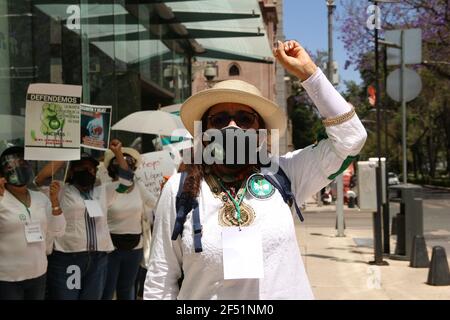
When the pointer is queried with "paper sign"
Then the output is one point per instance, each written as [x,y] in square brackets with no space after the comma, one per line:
[52,122]
[185,144]
[93,208]
[175,150]
[33,232]
[95,126]
[242,253]
[155,165]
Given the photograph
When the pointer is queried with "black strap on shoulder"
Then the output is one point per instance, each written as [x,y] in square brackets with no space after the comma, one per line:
[281,181]
[184,204]
[197,227]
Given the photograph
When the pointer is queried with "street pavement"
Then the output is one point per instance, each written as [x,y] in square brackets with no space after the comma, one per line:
[436,216]
[338,267]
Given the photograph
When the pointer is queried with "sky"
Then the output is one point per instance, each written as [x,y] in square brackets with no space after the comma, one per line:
[307,22]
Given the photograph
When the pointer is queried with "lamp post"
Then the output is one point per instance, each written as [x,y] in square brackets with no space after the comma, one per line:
[339,183]
[377,218]
[331,6]
[386,209]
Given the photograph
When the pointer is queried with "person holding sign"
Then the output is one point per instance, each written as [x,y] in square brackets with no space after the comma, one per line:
[130,211]
[225,228]
[28,221]
[78,265]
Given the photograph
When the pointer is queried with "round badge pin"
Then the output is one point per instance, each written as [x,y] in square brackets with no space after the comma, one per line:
[259,187]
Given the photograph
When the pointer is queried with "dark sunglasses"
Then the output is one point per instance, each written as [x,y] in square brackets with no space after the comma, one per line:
[243,119]
[129,159]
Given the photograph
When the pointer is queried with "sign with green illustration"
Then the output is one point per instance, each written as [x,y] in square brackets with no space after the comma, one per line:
[52,122]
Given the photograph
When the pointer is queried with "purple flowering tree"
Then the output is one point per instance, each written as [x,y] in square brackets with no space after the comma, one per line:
[429,114]
[432,16]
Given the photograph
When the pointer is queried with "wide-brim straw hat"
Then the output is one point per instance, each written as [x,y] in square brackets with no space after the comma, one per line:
[109,155]
[232,91]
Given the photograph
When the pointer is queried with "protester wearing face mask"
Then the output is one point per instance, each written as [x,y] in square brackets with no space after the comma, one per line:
[227,229]
[28,221]
[126,218]
[77,267]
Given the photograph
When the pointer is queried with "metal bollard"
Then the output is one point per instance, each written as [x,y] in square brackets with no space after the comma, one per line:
[409,221]
[400,248]
[413,223]
[438,274]
[394,225]
[419,253]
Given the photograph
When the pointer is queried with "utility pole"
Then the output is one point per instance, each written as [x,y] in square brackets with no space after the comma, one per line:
[403,98]
[339,183]
[386,209]
[377,218]
[331,6]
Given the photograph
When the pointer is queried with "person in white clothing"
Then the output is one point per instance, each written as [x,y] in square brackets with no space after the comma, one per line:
[77,267]
[126,220]
[238,238]
[28,221]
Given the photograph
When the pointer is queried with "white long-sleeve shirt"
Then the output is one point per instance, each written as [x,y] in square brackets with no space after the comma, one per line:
[20,260]
[129,210]
[285,277]
[84,233]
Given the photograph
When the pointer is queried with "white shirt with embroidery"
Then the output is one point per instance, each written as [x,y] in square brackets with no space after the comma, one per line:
[285,276]
[81,230]
[20,260]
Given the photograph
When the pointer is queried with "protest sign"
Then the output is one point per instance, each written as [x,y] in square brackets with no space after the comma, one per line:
[155,165]
[95,126]
[176,149]
[52,122]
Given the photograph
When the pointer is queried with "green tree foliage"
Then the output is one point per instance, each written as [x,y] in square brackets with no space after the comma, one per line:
[306,124]
[428,116]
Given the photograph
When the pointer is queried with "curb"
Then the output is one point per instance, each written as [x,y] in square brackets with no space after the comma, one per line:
[435,187]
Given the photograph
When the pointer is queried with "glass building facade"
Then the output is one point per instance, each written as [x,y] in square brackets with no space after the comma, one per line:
[117,50]
[131,54]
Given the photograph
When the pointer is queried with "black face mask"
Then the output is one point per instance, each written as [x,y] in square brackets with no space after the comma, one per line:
[243,143]
[83,178]
[20,176]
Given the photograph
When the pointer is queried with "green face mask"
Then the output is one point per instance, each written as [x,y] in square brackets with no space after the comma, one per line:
[16,170]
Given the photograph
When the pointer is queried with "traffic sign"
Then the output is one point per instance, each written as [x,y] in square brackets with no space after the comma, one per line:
[413,46]
[413,85]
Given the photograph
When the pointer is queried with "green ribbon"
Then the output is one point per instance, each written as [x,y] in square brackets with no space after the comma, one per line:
[239,195]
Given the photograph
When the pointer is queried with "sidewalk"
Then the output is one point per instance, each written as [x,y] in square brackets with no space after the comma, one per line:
[338,267]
